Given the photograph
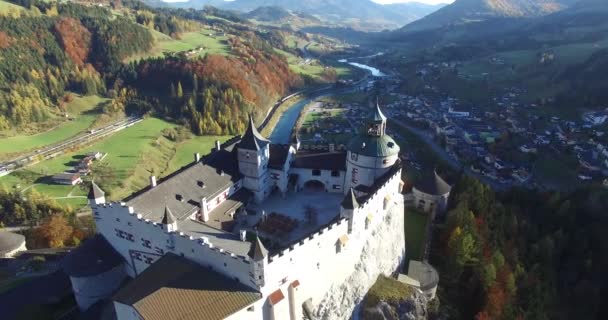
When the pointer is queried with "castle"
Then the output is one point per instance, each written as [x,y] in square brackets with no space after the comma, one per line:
[254,230]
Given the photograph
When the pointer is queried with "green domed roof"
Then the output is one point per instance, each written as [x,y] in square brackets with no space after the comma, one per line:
[382,146]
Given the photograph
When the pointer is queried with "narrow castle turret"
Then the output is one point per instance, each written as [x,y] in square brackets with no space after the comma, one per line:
[348,208]
[169,222]
[96,196]
[253,156]
[259,254]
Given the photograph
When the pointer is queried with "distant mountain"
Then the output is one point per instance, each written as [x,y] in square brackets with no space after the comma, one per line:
[465,11]
[278,15]
[357,13]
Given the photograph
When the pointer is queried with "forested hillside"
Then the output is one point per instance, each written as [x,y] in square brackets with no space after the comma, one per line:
[58,49]
[51,49]
[523,254]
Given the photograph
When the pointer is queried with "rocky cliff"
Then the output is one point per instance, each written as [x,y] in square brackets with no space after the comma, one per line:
[383,253]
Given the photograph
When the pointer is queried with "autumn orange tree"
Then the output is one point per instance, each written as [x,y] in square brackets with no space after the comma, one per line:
[55,232]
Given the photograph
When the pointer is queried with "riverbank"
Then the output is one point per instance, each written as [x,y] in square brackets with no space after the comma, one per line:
[276,115]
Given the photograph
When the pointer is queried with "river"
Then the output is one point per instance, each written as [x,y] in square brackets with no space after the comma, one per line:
[281,133]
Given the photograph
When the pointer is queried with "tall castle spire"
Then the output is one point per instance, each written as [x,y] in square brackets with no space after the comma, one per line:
[252,139]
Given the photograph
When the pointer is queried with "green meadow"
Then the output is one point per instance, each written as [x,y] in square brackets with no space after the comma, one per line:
[210,43]
[134,154]
[82,115]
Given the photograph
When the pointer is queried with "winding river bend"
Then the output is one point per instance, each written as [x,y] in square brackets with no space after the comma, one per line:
[281,132]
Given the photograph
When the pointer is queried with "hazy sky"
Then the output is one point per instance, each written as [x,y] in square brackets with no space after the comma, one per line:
[425,1]
[379,1]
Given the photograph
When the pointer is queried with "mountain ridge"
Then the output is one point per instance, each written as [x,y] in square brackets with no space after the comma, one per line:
[465,11]
[351,12]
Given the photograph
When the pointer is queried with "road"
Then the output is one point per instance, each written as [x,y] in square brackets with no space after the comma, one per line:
[52,151]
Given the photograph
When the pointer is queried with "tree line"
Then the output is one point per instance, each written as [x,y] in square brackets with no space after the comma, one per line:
[523,254]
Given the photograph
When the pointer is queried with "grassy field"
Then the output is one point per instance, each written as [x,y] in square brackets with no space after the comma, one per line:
[7,7]
[314,69]
[83,116]
[415,233]
[206,39]
[326,122]
[134,154]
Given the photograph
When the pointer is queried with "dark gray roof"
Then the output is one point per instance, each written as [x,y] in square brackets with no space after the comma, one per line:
[278,155]
[424,273]
[95,192]
[65,176]
[373,146]
[93,257]
[322,161]
[176,288]
[434,185]
[350,201]
[10,241]
[183,190]
[220,217]
[258,251]
[168,218]
[252,139]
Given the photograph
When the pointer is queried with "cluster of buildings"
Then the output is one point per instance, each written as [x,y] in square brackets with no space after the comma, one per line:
[254,230]
[501,143]
[83,168]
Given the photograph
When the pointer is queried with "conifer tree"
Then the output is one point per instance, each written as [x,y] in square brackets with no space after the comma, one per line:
[180,91]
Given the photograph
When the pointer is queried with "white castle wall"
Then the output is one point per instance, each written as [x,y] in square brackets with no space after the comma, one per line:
[383,253]
[427,202]
[318,266]
[332,184]
[142,242]
[88,290]
[368,169]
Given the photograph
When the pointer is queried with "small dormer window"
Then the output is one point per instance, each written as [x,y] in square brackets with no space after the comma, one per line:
[247,155]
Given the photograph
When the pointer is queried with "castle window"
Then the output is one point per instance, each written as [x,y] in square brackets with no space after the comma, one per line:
[225,264]
[335,173]
[247,155]
[117,219]
[385,161]
[354,156]
[316,172]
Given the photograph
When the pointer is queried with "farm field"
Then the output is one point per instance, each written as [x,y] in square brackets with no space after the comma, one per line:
[132,154]
[81,109]
[314,69]
[190,40]
[326,125]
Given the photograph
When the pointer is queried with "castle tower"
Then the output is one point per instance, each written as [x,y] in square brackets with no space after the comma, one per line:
[253,156]
[258,253]
[96,195]
[370,154]
[348,208]
[169,222]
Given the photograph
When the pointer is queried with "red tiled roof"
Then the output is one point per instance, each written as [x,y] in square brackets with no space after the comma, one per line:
[276,297]
[295,284]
